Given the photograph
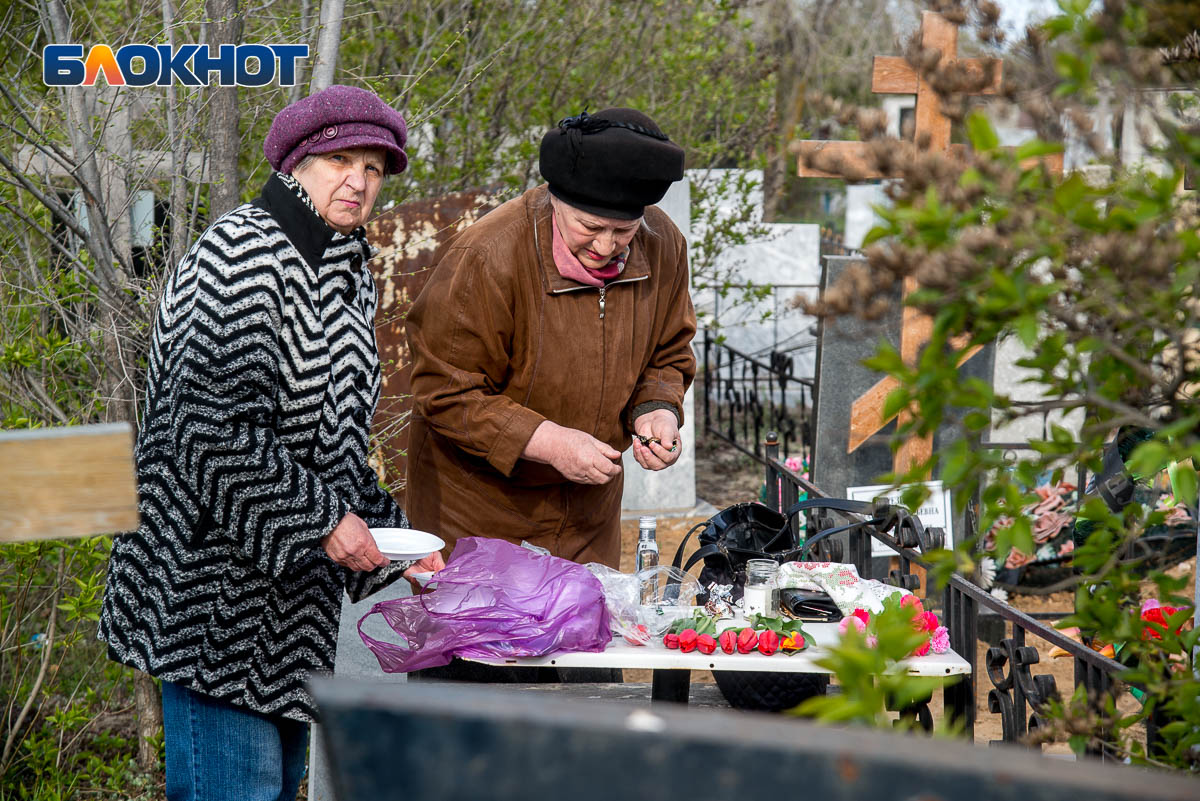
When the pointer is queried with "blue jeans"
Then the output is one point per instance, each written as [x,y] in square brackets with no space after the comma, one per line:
[220,752]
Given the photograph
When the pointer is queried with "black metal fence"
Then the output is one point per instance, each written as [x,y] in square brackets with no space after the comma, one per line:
[832,243]
[1018,695]
[744,397]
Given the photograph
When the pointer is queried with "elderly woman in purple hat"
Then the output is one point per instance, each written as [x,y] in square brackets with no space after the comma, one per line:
[256,494]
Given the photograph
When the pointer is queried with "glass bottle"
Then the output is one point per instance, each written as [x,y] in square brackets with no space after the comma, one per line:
[647,547]
[647,556]
[761,595]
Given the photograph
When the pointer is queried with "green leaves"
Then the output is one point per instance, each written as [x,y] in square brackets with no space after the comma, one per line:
[701,622]
[872,682]
[779,625]
[981,133]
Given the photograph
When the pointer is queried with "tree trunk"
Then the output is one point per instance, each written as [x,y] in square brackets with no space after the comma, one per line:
[224,27]
[103,160]
[177,200]
[149,719]
[328,41]
[119,382]
[297,89]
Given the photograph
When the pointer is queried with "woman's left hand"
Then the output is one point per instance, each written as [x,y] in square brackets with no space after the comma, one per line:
[656,439]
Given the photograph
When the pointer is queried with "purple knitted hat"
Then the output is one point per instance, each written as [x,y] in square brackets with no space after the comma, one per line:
[336,118]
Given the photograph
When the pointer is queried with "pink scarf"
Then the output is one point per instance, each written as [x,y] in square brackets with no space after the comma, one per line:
[570,267]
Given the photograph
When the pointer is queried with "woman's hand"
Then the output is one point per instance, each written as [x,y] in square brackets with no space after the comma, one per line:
[351,545]
[579,456]
[656,439]
[430,564]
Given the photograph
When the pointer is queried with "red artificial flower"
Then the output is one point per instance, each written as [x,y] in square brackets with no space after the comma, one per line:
[1156,617]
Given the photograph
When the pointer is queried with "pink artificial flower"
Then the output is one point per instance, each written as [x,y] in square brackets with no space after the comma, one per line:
[922,650]
[1150,603]
[1017,558]
[913,601]
[794,464]
[862,614]
[940,642]
[846,622]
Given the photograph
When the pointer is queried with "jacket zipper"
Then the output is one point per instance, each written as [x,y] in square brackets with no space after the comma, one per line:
[603,289]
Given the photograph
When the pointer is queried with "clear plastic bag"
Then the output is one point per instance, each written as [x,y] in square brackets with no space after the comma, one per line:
[643,605]
[494,600]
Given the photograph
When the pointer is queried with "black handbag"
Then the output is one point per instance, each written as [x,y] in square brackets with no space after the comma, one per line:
[745,531]
[728,540]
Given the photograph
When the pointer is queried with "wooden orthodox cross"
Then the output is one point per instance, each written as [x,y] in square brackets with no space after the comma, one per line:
[893,75]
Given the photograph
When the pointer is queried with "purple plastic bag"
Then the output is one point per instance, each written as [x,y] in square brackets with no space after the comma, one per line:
[494,599]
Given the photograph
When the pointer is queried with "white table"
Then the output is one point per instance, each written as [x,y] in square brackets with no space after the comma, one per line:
[671,677]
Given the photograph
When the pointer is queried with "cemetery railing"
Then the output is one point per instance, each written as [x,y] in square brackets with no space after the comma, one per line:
[834,244]
[744,397]
[1019,696]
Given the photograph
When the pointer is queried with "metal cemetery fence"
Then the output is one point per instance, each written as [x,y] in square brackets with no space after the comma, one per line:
[744,397]
[1018,695]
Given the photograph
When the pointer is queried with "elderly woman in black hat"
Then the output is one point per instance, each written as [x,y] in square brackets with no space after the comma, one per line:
[256,494]
[553,334]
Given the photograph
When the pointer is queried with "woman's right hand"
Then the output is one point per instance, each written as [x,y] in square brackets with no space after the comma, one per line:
[351,545]
[579,456]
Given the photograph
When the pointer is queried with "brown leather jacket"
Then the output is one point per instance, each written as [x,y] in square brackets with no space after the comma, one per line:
[500,342]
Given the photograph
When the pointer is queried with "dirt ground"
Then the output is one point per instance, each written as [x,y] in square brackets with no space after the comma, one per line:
[723,479]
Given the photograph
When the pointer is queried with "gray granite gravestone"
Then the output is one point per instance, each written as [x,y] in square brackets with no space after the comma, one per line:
[464,743]
[841,379]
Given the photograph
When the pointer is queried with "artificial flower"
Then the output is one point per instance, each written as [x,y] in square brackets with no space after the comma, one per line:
[1017,558]
[986,572]
[1155,614]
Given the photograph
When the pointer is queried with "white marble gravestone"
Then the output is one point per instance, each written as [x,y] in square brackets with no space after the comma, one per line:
[670,491]
[785,261]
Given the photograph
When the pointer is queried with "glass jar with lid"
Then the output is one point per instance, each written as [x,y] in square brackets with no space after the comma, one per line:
[761,595]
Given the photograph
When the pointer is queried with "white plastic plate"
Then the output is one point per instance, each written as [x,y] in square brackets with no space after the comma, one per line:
[406,543]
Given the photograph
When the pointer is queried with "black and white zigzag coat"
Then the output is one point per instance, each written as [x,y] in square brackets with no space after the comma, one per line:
[263,379]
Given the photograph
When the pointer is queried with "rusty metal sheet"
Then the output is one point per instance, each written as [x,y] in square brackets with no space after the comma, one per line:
[408,237]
